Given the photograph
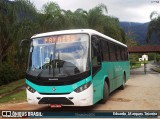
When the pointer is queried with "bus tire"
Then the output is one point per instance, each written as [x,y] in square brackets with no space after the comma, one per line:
[123,84]
[105,93]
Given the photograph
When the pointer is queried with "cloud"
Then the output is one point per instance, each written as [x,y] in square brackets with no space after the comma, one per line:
[125,10]
[128,3]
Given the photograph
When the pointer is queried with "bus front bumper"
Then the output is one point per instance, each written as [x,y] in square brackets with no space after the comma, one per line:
[84,98]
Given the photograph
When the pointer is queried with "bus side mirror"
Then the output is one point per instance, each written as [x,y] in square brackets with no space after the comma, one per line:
[21,49]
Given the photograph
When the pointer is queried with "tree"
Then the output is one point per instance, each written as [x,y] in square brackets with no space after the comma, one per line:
[5,28]
[80,19]
[153,26]
[96,18]
[15,24]
[53,17]
[19,20]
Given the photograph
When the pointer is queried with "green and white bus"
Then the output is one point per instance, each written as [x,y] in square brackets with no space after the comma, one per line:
[75,67]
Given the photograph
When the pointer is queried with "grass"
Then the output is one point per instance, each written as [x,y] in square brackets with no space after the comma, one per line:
[11,86]
[135,65]
[11,93]
[16,97]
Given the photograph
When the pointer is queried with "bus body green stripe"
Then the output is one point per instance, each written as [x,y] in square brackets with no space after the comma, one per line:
[59,89]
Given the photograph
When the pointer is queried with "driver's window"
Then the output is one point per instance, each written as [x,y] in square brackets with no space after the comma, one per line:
[96,59]
[94,56]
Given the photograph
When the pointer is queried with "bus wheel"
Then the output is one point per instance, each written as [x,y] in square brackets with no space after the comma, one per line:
[123,84]
[105,93]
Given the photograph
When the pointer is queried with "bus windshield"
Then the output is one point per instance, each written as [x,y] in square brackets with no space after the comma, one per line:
[58,56]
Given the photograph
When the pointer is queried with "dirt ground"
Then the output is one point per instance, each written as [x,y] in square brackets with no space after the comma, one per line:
[142,92]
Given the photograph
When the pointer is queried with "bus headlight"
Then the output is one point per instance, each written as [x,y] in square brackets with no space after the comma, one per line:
[83,87]
[30,89]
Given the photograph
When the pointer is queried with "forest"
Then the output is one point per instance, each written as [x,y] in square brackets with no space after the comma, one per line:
[20,20]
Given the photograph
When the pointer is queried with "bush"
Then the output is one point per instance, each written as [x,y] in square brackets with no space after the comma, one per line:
[158,58]
[151,56]
[8,73]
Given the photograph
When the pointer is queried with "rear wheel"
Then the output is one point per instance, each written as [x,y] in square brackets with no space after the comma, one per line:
[105,93]
[123,84]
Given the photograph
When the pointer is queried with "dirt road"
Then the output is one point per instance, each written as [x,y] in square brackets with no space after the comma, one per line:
[142,92]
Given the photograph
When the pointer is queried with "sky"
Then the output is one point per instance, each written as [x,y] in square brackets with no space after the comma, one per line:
[125,10]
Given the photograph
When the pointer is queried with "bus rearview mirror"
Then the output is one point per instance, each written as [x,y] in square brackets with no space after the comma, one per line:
[21,49]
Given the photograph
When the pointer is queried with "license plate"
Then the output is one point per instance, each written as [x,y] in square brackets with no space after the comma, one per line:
[55,105]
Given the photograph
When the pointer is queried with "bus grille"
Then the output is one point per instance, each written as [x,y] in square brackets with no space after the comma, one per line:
[55,100]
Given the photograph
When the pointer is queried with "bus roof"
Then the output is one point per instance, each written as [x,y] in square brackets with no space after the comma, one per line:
[89,31]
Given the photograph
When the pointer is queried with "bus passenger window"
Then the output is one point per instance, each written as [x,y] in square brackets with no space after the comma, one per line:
[105,50]
[112,51]
[118,50]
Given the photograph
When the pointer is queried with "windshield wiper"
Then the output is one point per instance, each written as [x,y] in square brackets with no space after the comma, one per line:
[40,73]
[53,63]
[59,63]
[50,64]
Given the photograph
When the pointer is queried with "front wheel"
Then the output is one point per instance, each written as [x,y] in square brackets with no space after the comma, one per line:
[105,93]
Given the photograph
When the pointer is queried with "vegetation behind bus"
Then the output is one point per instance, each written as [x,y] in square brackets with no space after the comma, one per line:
[21,20]
[15,92]
[134,59]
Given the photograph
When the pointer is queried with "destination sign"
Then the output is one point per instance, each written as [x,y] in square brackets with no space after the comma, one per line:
[57,39]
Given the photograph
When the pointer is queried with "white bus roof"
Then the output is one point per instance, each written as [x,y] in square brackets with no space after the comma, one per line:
[88,31]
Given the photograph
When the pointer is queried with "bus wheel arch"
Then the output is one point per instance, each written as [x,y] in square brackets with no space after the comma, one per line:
[124,81]
[106,91]
[108,83]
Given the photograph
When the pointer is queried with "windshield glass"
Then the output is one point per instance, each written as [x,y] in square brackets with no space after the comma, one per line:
[60,55]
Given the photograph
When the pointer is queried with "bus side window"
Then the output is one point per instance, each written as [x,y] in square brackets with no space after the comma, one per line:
[123,54]
[112,51]
[118,53]
[96,55]
[126,54]
[105,50]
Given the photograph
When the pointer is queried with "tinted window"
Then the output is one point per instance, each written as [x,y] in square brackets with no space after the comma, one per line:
[112,51]
[123,53]
[105,50]
[96,51]
[120,48]
[126,54]
[118,52]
